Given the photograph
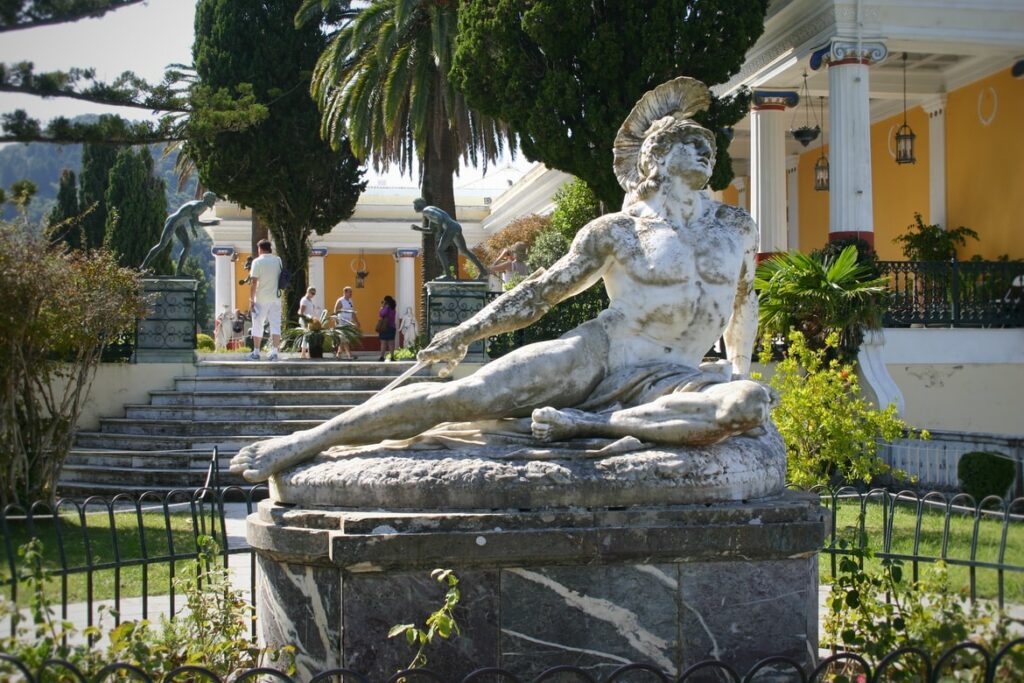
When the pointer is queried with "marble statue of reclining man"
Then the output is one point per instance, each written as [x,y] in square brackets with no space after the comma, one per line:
[678,268]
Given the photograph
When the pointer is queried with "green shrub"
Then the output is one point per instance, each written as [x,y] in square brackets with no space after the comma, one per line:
[831,431]
[923,242]
[983,473]
[204,342]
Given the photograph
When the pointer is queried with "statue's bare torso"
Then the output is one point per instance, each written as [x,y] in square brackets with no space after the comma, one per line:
[671,288]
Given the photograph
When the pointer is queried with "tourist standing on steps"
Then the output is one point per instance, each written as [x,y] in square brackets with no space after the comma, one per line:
[386,327]
[345,312]
[307,311]
[264,300]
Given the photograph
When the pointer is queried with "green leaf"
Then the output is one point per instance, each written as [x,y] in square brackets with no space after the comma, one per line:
[399,629]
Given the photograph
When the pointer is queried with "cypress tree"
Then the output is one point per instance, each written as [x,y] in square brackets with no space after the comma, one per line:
[136,210]
[97,160]
[63,222]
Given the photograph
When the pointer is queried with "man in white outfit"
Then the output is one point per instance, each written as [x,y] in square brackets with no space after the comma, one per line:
[264,300]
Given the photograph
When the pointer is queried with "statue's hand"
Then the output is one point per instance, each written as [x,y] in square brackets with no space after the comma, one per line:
[448,347]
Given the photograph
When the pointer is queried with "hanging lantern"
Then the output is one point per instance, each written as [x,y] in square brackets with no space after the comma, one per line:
[805,134]
[821,165]
[359,268]
[904,135]
[821,174]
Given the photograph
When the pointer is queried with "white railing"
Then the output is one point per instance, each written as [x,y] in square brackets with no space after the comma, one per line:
[934,461]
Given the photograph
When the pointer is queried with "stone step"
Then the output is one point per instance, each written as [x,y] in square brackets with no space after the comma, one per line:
[258,398]
[150,442]
[236,414]
[211,428]
[261,383]
[302,368]
[81,482]
[128,459]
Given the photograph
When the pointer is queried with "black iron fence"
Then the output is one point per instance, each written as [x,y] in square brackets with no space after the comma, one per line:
[966,661]
[955,293]
[123,555]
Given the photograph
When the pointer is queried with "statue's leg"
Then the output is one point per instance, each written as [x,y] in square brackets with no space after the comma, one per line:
[471,257]
[561,372]
[182,234]
[444,241]
[683,418]
[165,239]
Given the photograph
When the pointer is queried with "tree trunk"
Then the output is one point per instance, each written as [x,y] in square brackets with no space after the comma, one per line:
[438,189]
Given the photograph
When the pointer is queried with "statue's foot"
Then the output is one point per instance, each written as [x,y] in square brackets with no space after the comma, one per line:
[257,462]
[551,424]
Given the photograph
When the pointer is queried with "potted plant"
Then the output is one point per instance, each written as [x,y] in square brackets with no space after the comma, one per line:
[319,331]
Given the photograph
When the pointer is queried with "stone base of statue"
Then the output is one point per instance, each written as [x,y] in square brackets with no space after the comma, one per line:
[610,555]
[168,332]
[450,302]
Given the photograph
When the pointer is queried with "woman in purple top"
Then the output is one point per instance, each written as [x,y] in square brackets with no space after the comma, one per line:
[387,327]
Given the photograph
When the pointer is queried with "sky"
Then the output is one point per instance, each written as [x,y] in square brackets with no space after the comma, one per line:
[143,38]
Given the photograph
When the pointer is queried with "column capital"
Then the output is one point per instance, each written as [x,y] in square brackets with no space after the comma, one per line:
[222,251]
[839,51]
[318,251]
[792,163]
[777,100]
[935,106]
[406,253]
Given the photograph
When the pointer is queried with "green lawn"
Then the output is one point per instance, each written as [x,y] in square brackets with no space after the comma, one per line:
[932,532]
[91,548]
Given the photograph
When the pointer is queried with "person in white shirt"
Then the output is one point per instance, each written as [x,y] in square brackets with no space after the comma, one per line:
[345,310]
[308,309]
[264,300]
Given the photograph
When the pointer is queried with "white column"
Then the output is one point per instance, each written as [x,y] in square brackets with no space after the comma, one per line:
[316,274]
[405,292]
[936,110]
[793,203]
[741,192]
[849,198]
[768,167]
[224,274]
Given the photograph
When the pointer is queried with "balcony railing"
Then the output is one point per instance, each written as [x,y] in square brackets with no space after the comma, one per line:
[955,293]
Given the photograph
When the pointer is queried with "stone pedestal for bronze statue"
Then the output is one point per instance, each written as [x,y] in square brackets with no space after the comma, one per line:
[694,554]
[450,302]
[168,331]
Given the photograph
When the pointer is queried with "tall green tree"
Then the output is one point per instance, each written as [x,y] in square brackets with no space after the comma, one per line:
[296,184]
[63,222]
[97,160]
[383,82]
[136,209]
[565,73]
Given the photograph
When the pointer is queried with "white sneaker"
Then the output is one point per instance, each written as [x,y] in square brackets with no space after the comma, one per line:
[273,355]
[255,355]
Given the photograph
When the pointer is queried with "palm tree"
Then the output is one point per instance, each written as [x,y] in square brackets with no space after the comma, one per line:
[820,295]
[383,83]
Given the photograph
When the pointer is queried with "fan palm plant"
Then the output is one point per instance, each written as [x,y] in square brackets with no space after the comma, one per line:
[818,295]
[382,82]
[319,332]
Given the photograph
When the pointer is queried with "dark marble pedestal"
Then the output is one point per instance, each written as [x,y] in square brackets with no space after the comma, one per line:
[597,588]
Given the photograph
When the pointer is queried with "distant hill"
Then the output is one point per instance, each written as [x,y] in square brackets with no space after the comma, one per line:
[42,163]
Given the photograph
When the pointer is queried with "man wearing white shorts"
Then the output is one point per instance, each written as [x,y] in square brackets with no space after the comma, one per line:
[264,300]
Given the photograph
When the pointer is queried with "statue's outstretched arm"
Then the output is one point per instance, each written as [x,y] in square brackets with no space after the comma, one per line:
[530,299]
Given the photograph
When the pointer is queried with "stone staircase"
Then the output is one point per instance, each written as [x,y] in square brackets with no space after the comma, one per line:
[168,443]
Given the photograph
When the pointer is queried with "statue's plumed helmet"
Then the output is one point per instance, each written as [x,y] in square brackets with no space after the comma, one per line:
[679,99]
[209,197]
